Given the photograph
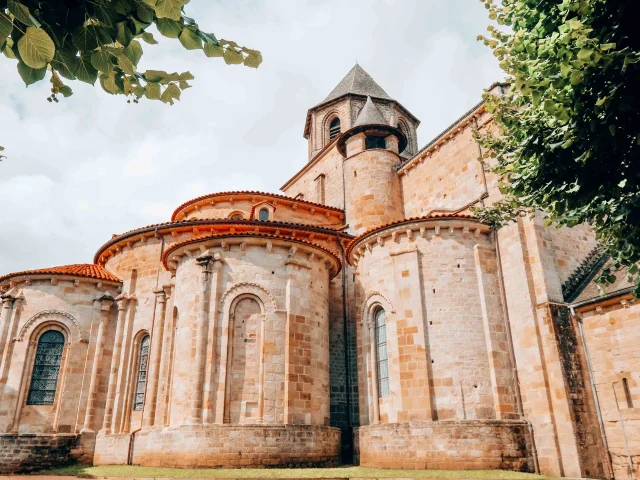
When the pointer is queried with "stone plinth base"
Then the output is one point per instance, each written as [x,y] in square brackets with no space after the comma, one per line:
[459,445]
[223,446]
[26,453]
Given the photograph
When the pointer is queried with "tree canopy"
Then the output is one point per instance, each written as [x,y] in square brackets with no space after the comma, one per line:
[568,136]
[100,40]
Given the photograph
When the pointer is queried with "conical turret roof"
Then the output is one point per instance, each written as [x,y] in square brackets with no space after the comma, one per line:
[357,82]
[370,115]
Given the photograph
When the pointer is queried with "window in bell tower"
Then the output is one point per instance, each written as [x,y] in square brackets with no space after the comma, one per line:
[334,128]
[371,142]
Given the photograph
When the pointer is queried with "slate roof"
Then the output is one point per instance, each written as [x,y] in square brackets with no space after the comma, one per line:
[357,82]
[592,294]
[370,115]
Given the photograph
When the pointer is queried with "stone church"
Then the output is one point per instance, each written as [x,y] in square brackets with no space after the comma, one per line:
[363,315]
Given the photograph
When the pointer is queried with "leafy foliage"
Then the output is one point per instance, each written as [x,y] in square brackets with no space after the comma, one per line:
[568,139]
[99,40]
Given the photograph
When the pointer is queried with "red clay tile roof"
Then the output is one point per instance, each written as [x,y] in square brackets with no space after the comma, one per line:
[324,229]
[431,216]
[251,192]
[88,270]
[247,234]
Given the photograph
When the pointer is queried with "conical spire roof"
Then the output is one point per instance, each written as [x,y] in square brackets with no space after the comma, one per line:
[370,115]
[358,82]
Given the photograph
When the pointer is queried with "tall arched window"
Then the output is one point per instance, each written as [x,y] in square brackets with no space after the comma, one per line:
[334,128]
[46,369]
[141,380]
[381,350]
[264,215]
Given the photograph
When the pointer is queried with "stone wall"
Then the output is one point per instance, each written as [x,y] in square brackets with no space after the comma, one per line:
[612,336]
[27,453]
[190,446]
[455,445]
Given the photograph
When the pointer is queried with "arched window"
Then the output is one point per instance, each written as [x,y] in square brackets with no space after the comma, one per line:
[141,381]
[334,128]
[46,369]
[236,216]
[627,393]
[381,350]
[264,215]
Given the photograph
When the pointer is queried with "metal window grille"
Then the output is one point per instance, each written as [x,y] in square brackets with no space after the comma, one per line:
[46,369]
[143,365]
[382,360]
[334,128]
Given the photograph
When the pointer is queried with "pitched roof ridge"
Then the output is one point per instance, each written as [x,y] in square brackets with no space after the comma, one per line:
[88,270]
[370,115]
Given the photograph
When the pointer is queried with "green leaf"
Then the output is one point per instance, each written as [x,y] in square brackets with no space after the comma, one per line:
[612,129]
[101,61]
[213,50]
[152,91]
[22,13]
[154,75]
[233,57]
[65,64]
[8,49]
[144,12]
[126,65]
[36,48]
[169,28]
[31,75]
[186,76]
[622,183]
[87,38]
[584,54]
[171,93]
[169,8]
[190,39]
[123,34]
[253,59]
[6,25]
[85,71]
[147,37]
[134,51]
[108,83]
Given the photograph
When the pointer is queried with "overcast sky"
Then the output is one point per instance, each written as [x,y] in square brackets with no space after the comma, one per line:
[93,165]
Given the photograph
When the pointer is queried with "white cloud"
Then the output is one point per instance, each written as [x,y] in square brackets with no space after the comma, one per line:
[93,165]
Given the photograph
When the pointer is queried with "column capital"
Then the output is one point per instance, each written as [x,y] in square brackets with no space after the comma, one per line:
[106,300]
[7,301]
[204,260]
[160,294]
[122,301]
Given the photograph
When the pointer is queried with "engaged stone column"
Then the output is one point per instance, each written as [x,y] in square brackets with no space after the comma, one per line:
[195,415]
[5,320]
[106,301]
[154,358]
[122,302]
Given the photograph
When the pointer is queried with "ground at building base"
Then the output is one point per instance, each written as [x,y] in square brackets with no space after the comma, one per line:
[132,471]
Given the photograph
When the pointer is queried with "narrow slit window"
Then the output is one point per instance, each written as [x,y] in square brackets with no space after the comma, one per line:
[141,380]
[334,128]
[627,393]
[381,350]
[46,369]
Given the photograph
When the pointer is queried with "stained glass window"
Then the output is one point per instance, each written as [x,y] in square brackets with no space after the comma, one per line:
[141,381]
[46,369]
[383,363]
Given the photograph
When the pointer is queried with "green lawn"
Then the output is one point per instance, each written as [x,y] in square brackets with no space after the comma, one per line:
[343,472]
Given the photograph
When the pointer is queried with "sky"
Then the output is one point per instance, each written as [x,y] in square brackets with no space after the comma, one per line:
[92,165]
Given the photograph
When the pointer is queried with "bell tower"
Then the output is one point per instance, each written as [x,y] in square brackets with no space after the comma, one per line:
[339,111]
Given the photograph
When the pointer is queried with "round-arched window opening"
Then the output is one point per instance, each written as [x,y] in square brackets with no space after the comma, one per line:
[334,128]
[263,215]
[382,359]
[46,369]
[236,216]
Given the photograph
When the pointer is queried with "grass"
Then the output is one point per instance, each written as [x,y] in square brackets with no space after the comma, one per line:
[341,472]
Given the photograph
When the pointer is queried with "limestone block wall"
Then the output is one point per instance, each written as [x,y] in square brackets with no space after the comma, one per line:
[305,183]
[448,354]
[27,453]
[612,335]
[460,445]
[570,247]
[544,362]
[373,195]
[287,328]
[67,305]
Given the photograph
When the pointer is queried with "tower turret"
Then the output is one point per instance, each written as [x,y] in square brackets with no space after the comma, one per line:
[372,188]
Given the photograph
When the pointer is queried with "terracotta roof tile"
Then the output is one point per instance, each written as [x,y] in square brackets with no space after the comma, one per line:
[247,234]
[87,270]
[432,215]
[251,192]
